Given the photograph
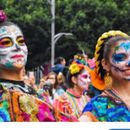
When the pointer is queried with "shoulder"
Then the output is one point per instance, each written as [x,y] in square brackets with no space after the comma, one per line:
[96,103]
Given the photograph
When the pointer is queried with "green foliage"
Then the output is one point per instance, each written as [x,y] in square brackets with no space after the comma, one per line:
[86,19]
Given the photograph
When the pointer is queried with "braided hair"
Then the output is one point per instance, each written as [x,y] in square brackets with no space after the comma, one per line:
[100,51]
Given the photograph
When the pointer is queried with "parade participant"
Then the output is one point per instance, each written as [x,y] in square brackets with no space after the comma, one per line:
[73,101]
[17,100]
[112,56]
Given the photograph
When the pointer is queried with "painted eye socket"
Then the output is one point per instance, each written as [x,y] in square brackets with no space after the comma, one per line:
[20,40]
[5,42]
[119,57]
[85,76]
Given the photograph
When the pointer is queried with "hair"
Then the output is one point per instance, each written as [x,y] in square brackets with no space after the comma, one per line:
[103,47]
[59,60]
[69,77]
[52,73]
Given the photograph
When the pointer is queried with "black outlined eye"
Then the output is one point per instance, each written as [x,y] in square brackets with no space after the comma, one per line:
[5,42]
[20,40]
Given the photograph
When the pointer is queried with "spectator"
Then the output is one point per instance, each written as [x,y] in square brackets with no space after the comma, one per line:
[59,65]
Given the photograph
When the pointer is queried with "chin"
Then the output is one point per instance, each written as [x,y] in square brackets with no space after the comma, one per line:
[18,66]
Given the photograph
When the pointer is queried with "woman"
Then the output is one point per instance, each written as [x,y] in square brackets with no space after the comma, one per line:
[61,85]
[73,101]
[112,68]
[48,87]
[18,101]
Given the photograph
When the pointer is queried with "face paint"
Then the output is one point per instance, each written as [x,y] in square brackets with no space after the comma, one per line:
[120,60]
[13,51]
[84,80]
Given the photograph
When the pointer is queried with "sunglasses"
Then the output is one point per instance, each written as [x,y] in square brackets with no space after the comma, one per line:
[7,42]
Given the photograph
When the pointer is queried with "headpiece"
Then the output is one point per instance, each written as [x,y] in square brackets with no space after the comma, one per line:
[3,16]
[97,75]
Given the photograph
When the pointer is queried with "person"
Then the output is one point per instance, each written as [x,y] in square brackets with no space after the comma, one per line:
[48,87]
[61,85]
[17,102]
[60,63]
[112,56]
[73,101]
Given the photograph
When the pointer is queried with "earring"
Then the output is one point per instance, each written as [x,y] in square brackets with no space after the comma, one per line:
[108,81]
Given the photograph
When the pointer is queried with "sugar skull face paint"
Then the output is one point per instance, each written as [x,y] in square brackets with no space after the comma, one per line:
[120,60]
[84,80]
[13,51]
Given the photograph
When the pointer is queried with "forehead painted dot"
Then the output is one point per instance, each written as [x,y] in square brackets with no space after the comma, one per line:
[3,31]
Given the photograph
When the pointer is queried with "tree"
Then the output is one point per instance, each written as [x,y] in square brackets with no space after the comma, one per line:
[86,19]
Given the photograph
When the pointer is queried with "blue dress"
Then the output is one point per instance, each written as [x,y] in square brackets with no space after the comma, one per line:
[108,107]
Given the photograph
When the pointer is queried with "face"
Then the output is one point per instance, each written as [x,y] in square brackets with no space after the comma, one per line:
[120,60]
[13,51]
[83,80]
[63,62]
[52,79]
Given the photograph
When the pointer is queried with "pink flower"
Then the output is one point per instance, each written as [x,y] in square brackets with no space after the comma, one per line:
[3,16]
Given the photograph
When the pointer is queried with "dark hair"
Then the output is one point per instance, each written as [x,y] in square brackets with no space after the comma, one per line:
[69,77]
[59,60]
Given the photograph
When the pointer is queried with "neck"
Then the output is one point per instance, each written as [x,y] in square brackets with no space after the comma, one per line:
[77,90]
[123,88]
[11,74]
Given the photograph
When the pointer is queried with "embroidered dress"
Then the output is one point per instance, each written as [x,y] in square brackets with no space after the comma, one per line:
[107,107]
[17,104]
[71,104]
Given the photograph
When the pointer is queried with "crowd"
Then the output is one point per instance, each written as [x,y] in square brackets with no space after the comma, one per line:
[82,90]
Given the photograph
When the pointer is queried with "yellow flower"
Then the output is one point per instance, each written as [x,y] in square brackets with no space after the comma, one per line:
[74,68]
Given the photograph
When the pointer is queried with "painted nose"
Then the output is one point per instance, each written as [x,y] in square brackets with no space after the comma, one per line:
[17,46]
[128,64]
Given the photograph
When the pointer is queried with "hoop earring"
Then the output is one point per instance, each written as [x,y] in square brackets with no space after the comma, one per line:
[108,81]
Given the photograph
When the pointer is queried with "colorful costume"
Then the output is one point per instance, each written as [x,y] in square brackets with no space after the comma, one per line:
[107,107]
[17,105]
[70,103]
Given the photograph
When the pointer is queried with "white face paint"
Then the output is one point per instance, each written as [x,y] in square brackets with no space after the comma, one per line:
[120,60]
[84,80]
[13,51]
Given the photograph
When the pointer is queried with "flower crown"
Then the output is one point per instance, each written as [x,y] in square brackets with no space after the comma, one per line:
[75,68]
[80,59]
